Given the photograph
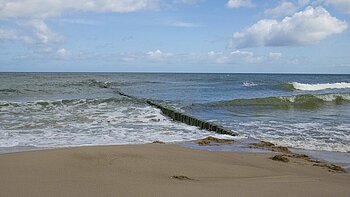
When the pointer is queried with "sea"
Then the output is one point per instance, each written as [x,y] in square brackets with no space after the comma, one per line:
[305,112]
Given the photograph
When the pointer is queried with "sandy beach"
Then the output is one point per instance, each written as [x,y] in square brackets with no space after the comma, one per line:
[162,170]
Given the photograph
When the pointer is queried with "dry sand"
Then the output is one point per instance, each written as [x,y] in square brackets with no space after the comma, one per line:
[146,170]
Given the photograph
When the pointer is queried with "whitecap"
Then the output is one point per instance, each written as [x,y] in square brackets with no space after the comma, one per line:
[320,86]
[249,84]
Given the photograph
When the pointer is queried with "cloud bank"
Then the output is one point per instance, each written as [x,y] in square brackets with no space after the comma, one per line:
[302,28]
[211,57]
[47,8]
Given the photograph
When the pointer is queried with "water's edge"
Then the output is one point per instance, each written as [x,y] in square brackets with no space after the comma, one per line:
[238,146]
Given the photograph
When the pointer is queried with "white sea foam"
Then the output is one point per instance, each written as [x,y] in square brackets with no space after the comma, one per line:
[323,97]
[89,122]
[304,135]
[249,84]
[321,86]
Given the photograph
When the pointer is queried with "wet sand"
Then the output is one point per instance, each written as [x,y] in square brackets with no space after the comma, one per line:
[162,170]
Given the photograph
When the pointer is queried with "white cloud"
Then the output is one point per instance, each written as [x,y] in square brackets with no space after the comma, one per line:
[247,56]
[239,3]
[218,57]
[305,27]
[212,57]
[158,54]
[242,53]
[285,8]
[233,57]
[43,33]
[63,53]
[46,8]
[10,34]
[342,5]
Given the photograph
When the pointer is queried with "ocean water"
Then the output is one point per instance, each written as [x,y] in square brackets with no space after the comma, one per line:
[306,112]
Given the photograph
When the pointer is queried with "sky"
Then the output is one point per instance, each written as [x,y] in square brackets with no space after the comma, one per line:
[225,36]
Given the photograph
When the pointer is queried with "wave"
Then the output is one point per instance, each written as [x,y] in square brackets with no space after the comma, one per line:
[298,101]
[99,83]
[314,87]
[79,122]
[7,91]
[105,84]
[71,102]
[286,86]
[89,83]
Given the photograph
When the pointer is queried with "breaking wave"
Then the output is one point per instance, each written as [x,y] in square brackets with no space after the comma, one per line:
[298,101]
[314,87]
[80,122]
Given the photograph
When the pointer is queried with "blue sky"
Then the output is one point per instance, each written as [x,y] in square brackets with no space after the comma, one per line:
[284,36]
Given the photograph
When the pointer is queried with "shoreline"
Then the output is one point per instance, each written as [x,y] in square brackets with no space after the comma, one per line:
[239,146]
[163,170]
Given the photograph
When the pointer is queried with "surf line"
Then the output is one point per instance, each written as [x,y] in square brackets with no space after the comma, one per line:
[180,117]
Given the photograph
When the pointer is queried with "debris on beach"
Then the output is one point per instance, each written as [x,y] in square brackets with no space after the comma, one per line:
[331,167]
[158,142]
[270,146]
[182,178]
[299,156]
[209,141]
[281,158]
[308,160]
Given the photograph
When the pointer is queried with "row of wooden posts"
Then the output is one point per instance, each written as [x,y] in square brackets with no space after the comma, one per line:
[189,120]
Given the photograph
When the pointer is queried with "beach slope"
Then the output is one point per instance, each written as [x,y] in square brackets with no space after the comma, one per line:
[161,170]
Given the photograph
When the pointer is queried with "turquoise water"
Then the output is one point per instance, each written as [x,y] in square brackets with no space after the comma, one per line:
[307,112]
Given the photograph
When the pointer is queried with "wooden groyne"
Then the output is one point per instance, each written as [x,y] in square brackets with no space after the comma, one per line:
[189,120]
